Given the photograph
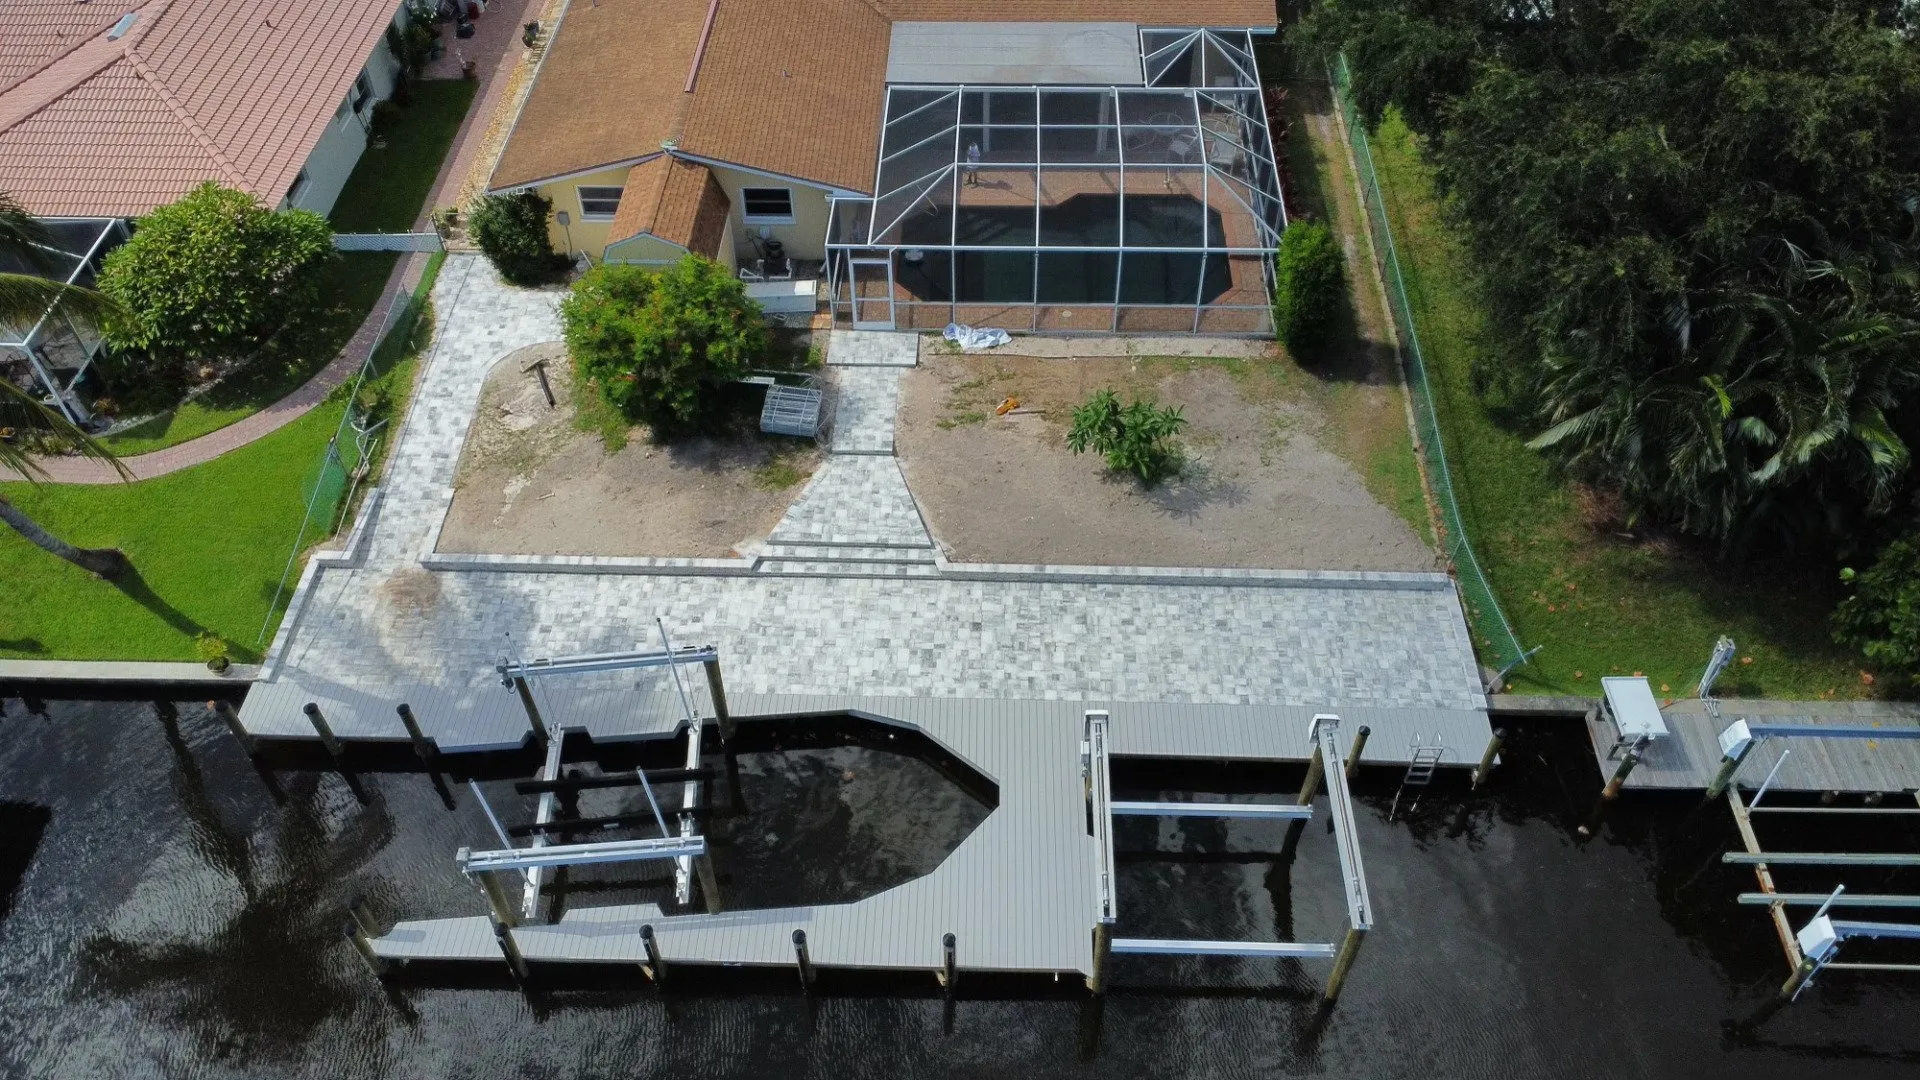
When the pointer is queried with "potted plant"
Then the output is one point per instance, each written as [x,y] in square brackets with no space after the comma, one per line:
[213,650]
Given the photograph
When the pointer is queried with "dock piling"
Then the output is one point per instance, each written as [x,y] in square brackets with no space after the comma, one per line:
[1315,767]
[709,882]
[423,747]
[804,961]
[497,900]
[1729,765]
[525,690]
[334,749]
[509,948]
[232,719]
[362,944]
[655,968]
[1102,956]
[1359,744]
[1343,963]
[1611,791]
[949,968]
[1485,767]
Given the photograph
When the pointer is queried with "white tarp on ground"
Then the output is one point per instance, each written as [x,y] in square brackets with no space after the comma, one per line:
[972,340]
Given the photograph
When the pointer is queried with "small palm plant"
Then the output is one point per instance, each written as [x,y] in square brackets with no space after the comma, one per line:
[1137,437]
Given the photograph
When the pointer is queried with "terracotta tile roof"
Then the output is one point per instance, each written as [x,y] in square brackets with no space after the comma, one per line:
[676,200]
[196,90]
[792,87]
[33,32]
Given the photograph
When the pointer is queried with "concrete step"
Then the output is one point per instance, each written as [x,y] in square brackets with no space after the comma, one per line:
[814,568]
[843,553]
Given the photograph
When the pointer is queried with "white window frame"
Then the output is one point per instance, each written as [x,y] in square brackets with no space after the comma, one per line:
[300,185]
[766,219]
[361,95]
[580,194]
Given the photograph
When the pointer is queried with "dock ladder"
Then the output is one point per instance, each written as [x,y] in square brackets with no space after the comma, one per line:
[1422,759]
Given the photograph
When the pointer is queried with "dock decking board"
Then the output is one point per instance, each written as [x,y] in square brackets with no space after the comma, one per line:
[1688,758]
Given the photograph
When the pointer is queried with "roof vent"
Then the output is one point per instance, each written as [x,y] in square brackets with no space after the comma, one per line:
[120,28]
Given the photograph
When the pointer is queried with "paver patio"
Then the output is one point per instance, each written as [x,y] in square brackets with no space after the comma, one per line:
[379,628]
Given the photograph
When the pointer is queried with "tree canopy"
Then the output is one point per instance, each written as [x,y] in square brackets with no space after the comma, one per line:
[1696,226]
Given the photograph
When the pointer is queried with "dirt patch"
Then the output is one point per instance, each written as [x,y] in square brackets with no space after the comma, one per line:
[531,482]
[1258,488]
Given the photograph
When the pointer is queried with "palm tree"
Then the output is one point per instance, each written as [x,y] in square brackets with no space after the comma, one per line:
[24,298]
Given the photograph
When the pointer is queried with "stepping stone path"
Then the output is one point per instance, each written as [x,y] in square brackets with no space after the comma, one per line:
[856,517]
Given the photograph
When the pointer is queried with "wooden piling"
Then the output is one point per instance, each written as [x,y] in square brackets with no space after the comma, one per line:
[362,944]
[709,882]
[1611,791]
[423,747]
[1359,744]
[717,689]
[1102,956]
[509,948]
[525,690]
[1315,767]
[1801,973]
[655,967]
[1485,767]
[1343,963]
[497,899]
[949,966]
[232,719]
[325,731]
[804,961]
[1729,764]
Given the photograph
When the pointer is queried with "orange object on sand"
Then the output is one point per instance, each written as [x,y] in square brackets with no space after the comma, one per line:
[1007,406]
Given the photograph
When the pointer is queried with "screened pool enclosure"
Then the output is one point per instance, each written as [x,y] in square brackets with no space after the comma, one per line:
[51,355]
[1071,208]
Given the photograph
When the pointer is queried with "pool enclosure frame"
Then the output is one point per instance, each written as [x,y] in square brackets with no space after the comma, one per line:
[55,329]
[1196,128]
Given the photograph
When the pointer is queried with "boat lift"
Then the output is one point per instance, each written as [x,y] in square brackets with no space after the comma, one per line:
[1102,809]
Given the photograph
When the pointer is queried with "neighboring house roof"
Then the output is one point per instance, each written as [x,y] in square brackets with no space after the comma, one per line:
[791,87]
[94,123]
[676,200]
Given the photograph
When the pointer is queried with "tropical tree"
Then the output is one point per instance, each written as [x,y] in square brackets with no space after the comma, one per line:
[24,298]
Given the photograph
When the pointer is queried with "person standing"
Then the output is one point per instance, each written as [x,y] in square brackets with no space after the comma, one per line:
[973,165]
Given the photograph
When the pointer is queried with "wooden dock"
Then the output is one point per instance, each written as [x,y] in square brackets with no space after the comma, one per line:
[1689,757]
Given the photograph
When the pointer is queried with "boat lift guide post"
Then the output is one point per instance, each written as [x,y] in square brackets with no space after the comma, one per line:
[1102,808]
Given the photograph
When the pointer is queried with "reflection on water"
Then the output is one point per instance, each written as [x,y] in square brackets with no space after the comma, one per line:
[163,916]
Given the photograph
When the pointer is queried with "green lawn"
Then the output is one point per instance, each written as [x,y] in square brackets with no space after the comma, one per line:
[391,183]
[1596,604]
[386,193]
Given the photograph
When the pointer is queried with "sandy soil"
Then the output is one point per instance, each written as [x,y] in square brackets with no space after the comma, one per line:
[531,483]
[1258,488]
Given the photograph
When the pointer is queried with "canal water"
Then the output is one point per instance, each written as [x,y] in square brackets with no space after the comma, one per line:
[162,916]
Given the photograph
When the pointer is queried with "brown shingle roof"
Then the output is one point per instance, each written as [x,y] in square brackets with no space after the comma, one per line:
[197,90]
[793,87]
[676,200]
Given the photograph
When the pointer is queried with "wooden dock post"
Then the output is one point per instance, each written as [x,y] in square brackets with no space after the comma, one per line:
[497,900]
[423,748]
[362,944]
[509,948]
[709,882]
[240,734]
[803,961]
[1359,744]
[1611,791]
[655,967]
[1343,963]
[1729,764]
[1316,765]
[949,967]
[335,750]
[525,690]
[717,690]
[1102,956]
[1486,759]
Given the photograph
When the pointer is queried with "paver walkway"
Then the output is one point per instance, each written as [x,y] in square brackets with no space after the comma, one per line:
[383,628]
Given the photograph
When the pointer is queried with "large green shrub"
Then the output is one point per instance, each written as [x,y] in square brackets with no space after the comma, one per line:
[512,232]
[1137,437]
[656,342]
[1882,617]
[211,276]
[1309,281]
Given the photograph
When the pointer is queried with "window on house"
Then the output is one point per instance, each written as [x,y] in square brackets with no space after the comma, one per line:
[767,205]
[599,203]
[298,189]
[362,92]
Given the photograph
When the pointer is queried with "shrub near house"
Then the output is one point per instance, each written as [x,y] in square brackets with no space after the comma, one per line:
[655,343]
[210,277]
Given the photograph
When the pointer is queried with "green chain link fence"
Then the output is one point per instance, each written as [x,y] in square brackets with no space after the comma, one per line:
[1499,647]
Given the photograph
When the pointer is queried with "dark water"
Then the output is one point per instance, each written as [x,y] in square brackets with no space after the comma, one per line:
[164,917]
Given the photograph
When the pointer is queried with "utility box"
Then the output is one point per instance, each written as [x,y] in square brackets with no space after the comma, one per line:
[1735,740]
[1630,707]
